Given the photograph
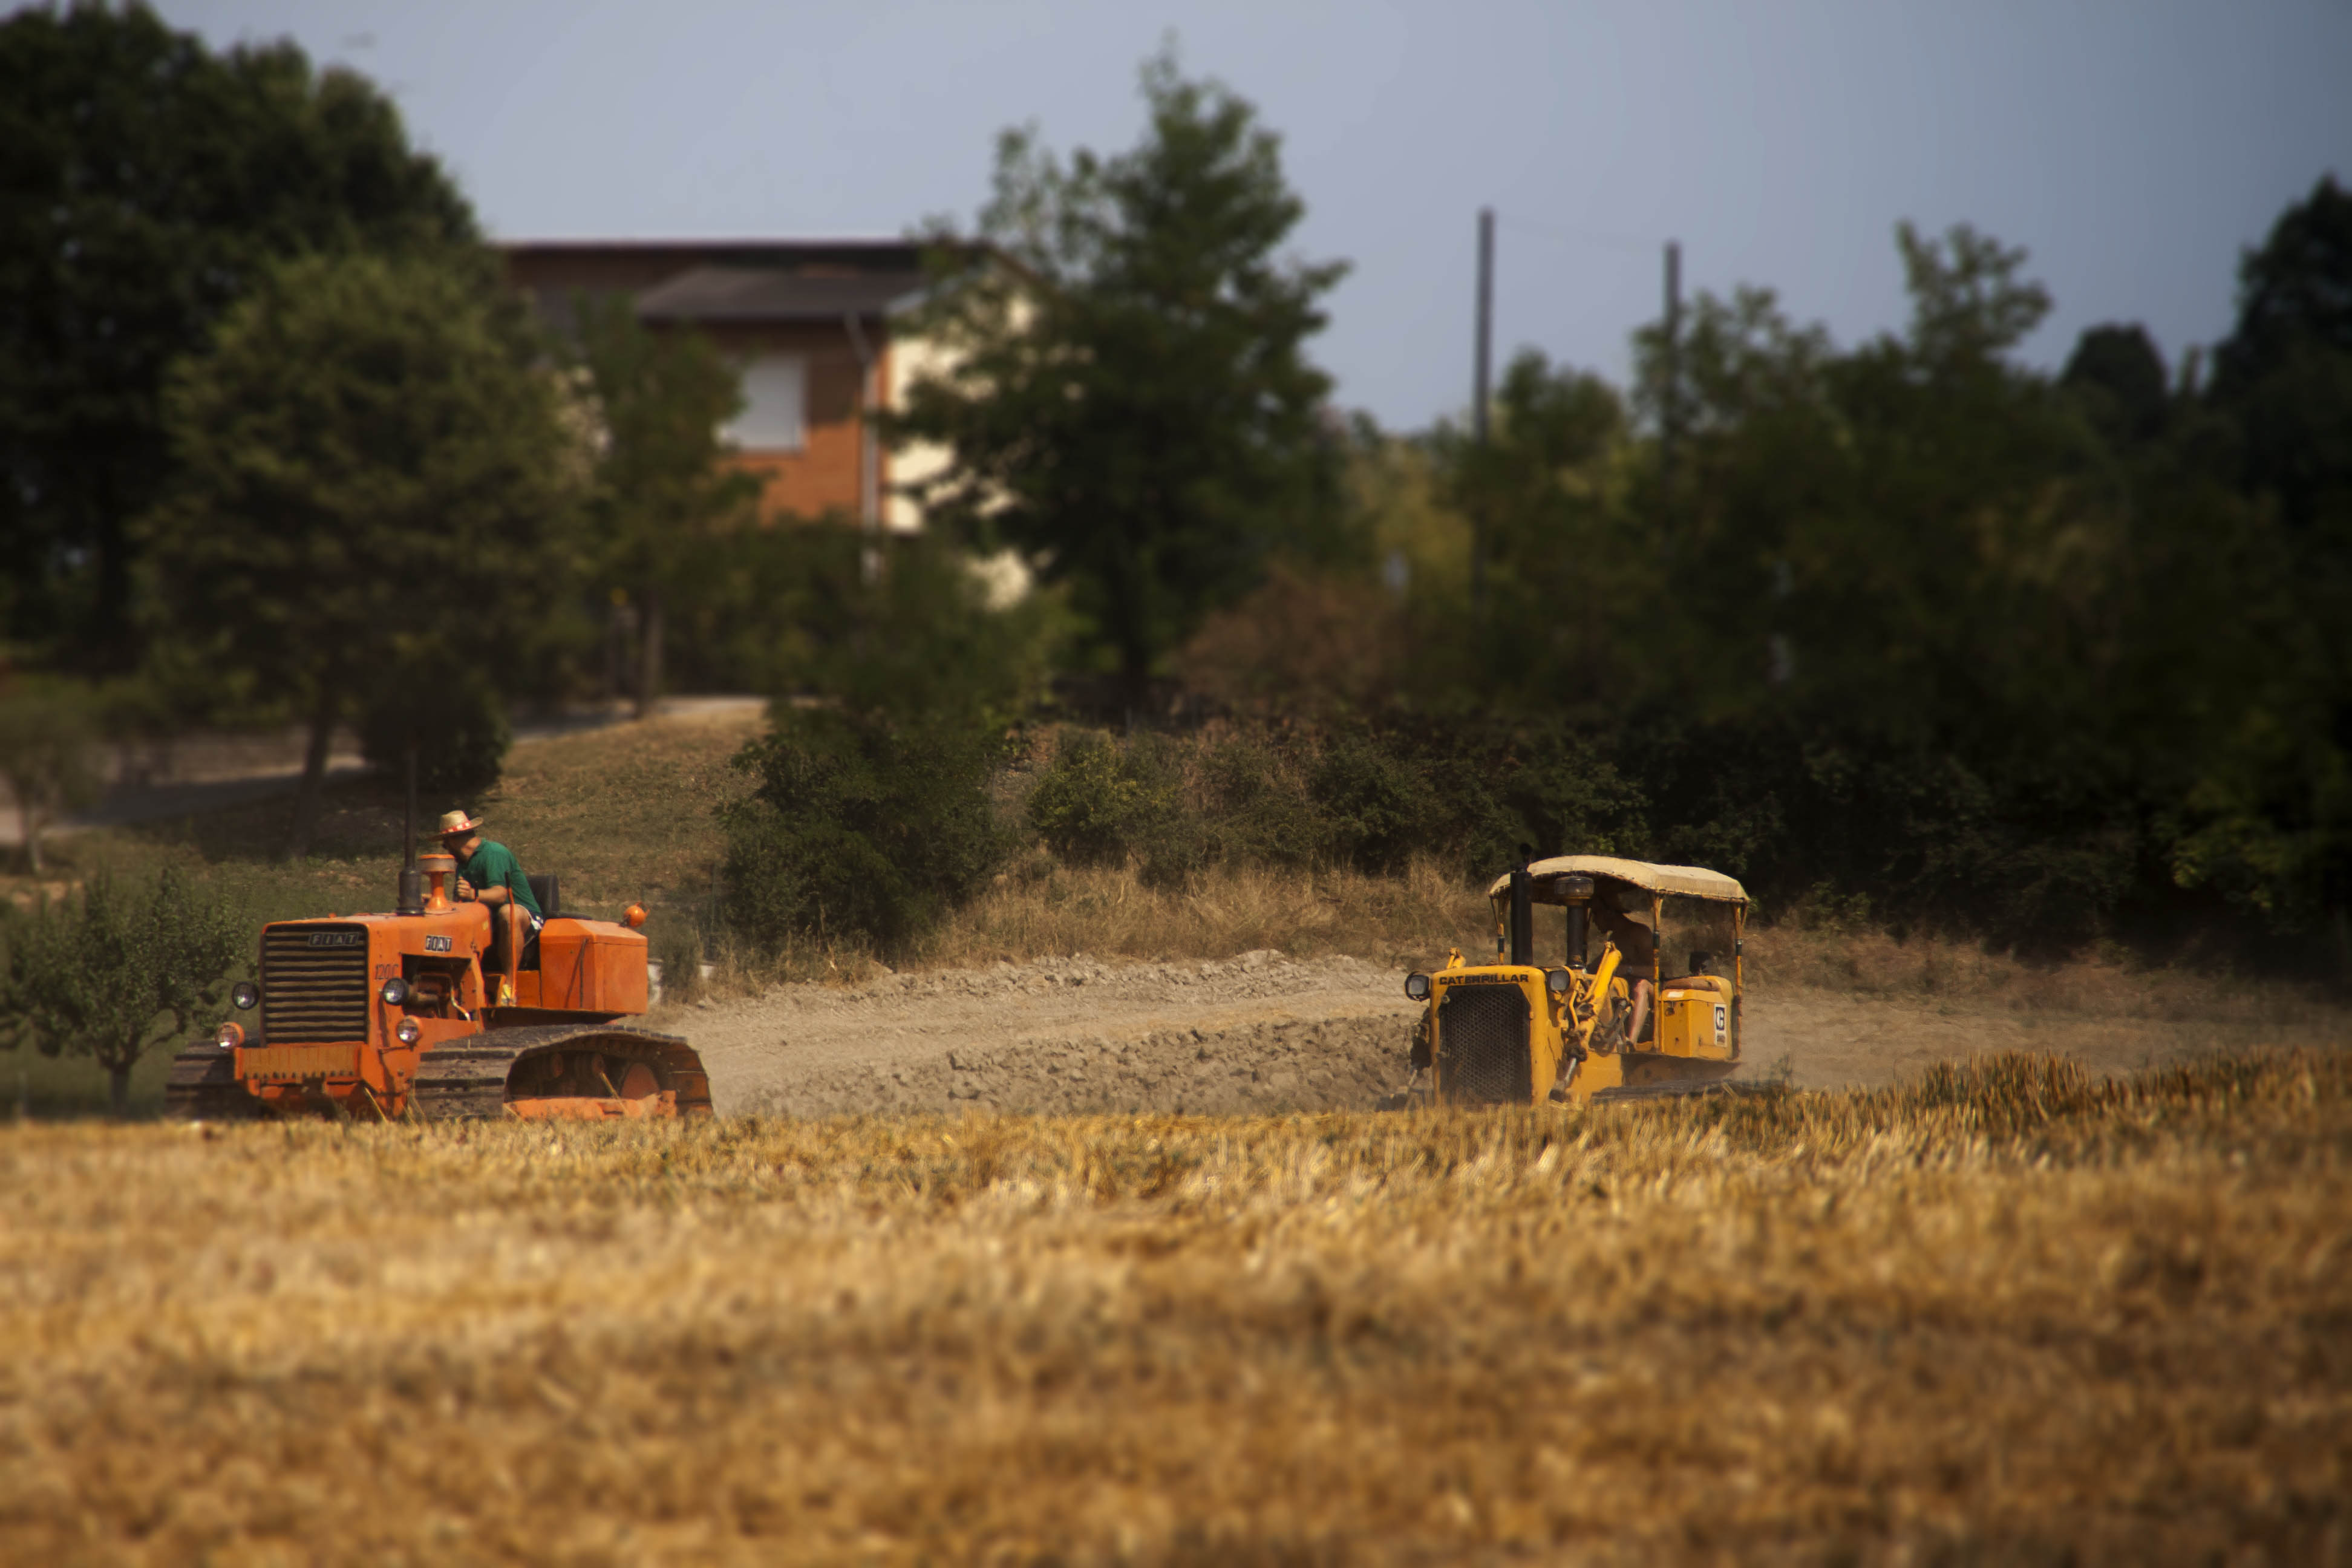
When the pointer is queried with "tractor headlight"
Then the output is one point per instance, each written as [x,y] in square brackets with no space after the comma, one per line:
[1557,981]
[395,992]
[245,995]
[229,1035]
[408,1031]
[1416,985]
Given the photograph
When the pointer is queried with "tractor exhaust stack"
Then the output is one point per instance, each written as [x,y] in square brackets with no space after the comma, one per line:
[412,880]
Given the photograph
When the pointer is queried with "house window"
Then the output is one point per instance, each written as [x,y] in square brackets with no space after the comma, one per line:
[775,403]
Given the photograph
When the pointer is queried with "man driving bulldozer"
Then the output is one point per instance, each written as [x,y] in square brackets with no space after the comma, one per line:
[488,874]
[1639,944]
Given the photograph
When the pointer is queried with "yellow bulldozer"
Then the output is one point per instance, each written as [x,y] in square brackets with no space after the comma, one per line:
[1607,1017]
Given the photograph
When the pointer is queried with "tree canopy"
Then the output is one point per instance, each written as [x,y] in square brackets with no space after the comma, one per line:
[1129,401]
[378,495]
[151,183]
[2031,654]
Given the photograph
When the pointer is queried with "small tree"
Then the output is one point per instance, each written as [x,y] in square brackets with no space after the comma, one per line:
[661,484]
[110,974]
[47,754]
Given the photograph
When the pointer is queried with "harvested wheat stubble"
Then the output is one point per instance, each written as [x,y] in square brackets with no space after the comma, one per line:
[2012,1313]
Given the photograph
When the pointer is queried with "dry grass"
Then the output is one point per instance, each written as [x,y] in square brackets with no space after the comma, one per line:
[1046,909]
[2103,982]
[2007,1315]
[625,813]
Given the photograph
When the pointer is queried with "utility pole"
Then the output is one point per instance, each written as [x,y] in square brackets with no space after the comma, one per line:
[1481,375]
[1670,411]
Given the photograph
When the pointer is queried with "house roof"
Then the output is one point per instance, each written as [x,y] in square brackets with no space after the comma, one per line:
[771,294]
[722,282]
[672,255]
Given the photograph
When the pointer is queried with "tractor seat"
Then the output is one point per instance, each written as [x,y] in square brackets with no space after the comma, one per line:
[548,890]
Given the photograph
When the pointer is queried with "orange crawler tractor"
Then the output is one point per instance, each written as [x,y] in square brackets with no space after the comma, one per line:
[429,1012]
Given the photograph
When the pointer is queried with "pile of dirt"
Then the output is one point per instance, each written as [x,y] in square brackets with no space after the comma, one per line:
[1257,1033]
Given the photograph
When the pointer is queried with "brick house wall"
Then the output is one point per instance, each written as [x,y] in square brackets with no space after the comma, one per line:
[794,315]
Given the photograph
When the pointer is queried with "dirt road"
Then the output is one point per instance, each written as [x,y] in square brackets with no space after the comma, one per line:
[1261,1033]
[1252,1033]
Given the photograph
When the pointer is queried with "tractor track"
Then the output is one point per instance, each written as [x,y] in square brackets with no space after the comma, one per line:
[464,1080]
[468,1079]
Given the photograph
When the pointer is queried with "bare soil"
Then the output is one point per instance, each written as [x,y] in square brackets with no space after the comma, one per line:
[1257,1033]
[1265,1032]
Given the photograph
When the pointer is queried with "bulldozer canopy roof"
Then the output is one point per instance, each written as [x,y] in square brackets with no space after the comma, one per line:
[1671,881]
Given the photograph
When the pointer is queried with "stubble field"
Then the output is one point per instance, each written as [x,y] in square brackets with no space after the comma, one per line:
[2007,1314]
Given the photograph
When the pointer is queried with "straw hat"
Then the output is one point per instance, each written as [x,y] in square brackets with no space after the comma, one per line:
[457,821]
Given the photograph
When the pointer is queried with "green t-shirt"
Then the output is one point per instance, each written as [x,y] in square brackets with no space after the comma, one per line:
[494,866]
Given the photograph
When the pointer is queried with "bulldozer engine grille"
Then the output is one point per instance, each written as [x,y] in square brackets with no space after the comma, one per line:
[314,984]
[1482,1045]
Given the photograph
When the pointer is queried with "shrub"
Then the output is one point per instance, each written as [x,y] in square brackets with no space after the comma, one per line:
[1255,794]
[1100,801]
[1379,803]
[859,830]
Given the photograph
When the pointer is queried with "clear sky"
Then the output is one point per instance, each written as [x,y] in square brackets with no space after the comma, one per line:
[2133,149]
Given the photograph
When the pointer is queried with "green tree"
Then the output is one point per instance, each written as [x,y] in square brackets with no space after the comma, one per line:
[2116,370]
[48,759]
[378,496]
[150,183]
[2269,818]
[1572,570]
[2285,373]
[662,487]
[110,974]
[1129,401]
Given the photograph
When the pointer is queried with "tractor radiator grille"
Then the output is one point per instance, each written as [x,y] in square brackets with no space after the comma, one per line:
[314,984]
[1482,1045]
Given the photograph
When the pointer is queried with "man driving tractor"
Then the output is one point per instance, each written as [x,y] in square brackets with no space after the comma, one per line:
[488,874]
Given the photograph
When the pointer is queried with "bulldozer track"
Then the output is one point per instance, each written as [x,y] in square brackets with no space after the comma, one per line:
[203,1087]
[470,1079]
